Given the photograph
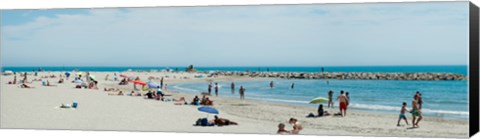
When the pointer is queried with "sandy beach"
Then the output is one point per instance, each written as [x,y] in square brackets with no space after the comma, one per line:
[37,108]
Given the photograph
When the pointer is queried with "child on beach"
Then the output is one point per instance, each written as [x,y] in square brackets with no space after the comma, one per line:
[402,114]
[281,129]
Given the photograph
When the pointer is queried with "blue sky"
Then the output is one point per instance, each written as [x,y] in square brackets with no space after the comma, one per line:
[433,33]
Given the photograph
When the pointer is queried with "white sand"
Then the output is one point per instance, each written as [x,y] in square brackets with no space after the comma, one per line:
[35,108]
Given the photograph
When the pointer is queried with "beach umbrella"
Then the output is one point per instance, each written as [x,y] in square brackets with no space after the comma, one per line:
[153,84]
[318,100]
[139,82]
[67,73]
[208,109]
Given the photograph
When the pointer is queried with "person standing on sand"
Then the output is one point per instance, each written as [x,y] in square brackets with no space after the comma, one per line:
[210,88]
[271,84]
[24,78]
[416,112]
[232,86]
[14,79]
[242,92]
[343,103]
[216,89]
[330,99]
[161,82]
[106,77]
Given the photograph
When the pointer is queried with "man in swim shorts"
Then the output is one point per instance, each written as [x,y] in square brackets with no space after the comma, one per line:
[416,112]
[343,103]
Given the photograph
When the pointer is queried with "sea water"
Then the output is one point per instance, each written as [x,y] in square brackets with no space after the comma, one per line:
[445,99]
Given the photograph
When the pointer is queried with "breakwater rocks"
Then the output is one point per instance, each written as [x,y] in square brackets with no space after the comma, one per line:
[348,75]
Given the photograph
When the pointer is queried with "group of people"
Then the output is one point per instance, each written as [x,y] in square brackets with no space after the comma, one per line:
[204,101]
[216,87]
[297,127]
[416,111]
[343,101]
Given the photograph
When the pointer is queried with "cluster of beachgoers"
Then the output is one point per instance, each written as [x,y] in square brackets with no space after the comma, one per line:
[248,116]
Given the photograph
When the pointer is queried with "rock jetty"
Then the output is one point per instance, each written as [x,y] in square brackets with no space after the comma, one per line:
[427,76]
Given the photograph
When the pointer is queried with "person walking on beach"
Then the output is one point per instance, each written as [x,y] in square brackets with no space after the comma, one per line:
[106,77]
[330,99]
[343,103]
[232,86]
[216,89]
[24,78]
[210,88]
[402,114]
[420,101]
[161,82]
[416,112]
[292,86]
[271,84]
[242,92]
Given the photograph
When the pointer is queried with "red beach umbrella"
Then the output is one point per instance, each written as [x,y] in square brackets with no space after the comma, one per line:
[139,82]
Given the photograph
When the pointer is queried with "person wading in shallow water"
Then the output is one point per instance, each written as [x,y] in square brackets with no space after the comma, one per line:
[232,86]
[242,92]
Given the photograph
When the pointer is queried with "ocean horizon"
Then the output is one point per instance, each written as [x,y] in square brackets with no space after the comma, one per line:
[458,69]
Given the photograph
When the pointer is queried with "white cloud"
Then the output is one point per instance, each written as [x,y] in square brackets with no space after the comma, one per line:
[337,34]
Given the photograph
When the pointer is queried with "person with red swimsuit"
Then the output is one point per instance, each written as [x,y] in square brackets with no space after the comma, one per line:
[343,103]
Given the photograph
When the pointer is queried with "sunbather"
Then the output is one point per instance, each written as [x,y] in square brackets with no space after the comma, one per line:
[223,122]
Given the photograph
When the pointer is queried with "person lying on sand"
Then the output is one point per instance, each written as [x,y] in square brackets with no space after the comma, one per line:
[60,81]
[48,84]
[297,127]
[133,93]
[281,129]
[181,101]
[25,86]
[223,122]
[204,122]
[118,94]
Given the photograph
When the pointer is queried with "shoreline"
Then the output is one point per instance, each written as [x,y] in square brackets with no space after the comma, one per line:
[99,111]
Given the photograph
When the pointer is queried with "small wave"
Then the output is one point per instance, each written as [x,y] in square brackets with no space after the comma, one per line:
[281,100]
[390,108]
[185,89]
